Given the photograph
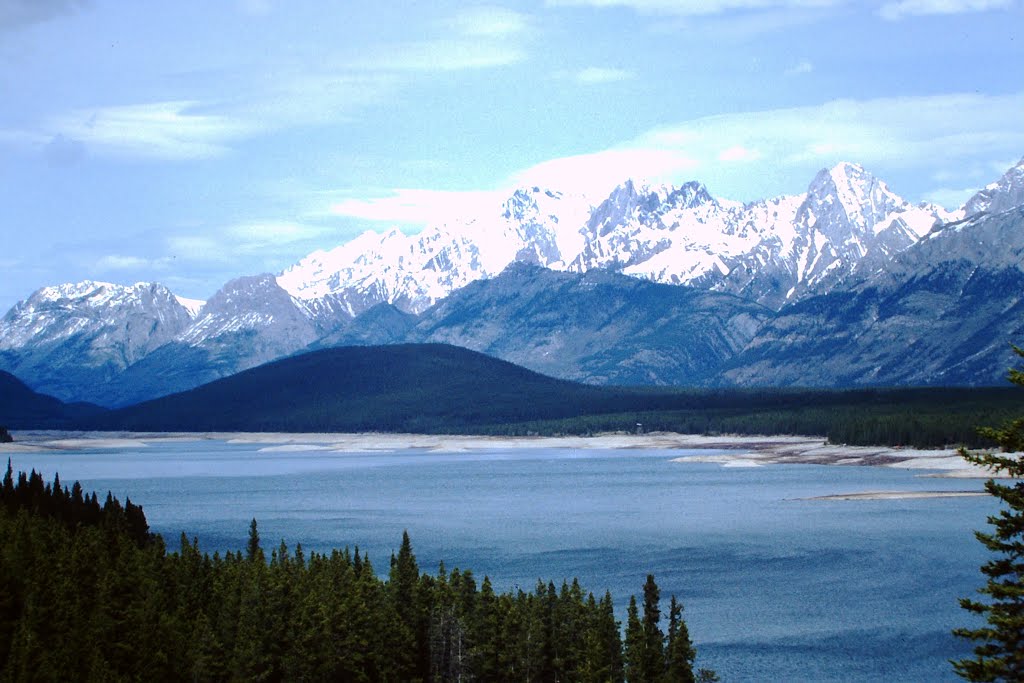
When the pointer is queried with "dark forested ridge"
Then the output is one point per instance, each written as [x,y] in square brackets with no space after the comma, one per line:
[439,388]
[88,593]
[22,408]
[435,388]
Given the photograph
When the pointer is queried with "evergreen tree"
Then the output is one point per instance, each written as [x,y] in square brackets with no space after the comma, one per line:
[679,654]
[1000,654]
[253,551]
[652,660]
[634,646]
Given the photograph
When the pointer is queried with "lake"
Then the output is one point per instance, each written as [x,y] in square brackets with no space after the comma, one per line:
[775,587]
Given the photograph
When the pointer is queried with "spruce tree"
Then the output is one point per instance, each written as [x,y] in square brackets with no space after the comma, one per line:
[679,654]
[653,658]
[253,551]
[999,656]
[634,645]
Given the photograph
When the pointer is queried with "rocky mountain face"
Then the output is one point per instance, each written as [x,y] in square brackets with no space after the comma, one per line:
[598,327]
[942,312]
[1002,195]
[64,340]
[836,286]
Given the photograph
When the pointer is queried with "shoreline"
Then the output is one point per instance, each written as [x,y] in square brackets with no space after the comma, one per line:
[729,450]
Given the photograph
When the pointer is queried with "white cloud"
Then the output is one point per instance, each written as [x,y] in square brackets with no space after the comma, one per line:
[697,7]
[595,75]
[489,22]
[259,235]
[455,54]
[17,13]
[950,198]
[803,67]
[196,248]
[120,262]
[905,132]
[159,130]
[256,8]
[594,175]
[897,10]
[738,153]
[419,207]
[475,38]
[896,130]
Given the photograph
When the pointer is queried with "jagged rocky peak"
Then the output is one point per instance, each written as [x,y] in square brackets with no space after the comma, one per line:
[689,195]
[846,201]
[527,202]
[86,307]
[645,203]
[98,325]
[242,292]
[1002,195]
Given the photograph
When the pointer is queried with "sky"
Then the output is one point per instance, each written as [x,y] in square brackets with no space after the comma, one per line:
[191,142]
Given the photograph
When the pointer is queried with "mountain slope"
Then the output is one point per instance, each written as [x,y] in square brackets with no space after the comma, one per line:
[598,327]
[390,388]
[22,408]
[943,312]
[68,340]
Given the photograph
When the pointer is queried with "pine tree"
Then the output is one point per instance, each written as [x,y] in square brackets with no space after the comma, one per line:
[634,644]
[253,551]
[1000,654]
[653,659]
[679,654]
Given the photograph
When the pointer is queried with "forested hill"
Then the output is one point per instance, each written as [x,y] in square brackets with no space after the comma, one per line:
[432,388]
[22,408]
[415,388]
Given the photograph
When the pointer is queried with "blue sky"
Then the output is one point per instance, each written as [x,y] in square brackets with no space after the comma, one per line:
[192,142]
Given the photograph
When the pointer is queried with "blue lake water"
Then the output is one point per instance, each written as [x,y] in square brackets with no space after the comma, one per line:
[775,588]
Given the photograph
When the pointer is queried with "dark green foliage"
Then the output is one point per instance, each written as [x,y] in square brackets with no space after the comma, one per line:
[5,436]
[1000,653]
[87,593]
[22,408]
[434,388]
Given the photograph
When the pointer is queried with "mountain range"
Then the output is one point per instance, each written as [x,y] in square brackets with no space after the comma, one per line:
[846,284]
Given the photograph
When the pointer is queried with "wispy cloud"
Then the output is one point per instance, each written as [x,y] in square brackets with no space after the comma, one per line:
[800,68]
[900,132]
[16,13]
[115,262]
[906,8]
[596,75]
[259,235]
[594,175]
[475,38]
[159,130]
[950,198]
[489,22]
[418,206]
[696,7]
[258,101]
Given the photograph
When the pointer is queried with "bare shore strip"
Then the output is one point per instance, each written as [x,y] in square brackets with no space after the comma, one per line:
[727,450]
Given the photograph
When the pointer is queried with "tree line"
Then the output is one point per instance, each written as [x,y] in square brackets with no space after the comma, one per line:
[88,593]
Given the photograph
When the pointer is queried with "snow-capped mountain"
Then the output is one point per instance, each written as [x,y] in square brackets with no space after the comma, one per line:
[415,271]
[847,232]
[772,251]
[1005,193]
[68,336]
[132,320]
